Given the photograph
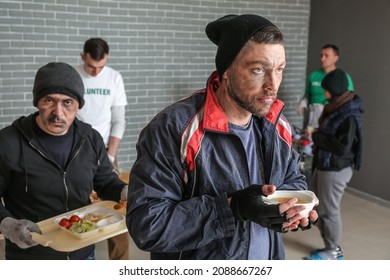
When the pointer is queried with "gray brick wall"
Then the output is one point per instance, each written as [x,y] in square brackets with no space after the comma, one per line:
[159,46]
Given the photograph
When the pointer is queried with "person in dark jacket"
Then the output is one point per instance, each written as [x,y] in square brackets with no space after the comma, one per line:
[49,164]
[337,152]
[204,163]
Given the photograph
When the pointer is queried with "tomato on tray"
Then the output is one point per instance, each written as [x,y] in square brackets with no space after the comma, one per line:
[65,223]
[74,219]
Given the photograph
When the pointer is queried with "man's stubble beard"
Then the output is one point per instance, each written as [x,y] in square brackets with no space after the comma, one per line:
[249,106]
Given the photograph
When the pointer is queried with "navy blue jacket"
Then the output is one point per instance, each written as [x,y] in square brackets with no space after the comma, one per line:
[188,163]
[338,141]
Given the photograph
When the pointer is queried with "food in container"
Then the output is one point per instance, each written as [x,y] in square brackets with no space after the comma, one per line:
[305,197]
[92,220]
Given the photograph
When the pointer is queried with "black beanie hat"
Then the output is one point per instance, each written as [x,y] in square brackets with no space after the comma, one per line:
[58,77]
[230,33]
[335,82]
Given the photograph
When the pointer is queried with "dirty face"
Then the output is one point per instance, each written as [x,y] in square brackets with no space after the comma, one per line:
[254,77]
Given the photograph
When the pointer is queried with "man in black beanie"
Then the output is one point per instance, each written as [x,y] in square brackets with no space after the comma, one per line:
[204,163]
[49,163]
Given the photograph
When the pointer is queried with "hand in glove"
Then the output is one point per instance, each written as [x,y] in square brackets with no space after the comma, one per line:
[18,231]
[302,106]
[247,204]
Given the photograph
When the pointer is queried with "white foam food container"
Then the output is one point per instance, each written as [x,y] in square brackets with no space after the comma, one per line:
[305,197]
[98,211]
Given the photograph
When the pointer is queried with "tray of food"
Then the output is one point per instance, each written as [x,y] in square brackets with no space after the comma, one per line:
[82,227]
[88,222]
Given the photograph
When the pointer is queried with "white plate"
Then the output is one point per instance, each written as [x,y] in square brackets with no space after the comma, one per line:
[102,225]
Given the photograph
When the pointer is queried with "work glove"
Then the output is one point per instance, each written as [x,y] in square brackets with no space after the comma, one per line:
[302,106]
[247,204]
[18,231]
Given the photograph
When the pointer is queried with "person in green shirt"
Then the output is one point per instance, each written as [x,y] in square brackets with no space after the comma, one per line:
[314,100]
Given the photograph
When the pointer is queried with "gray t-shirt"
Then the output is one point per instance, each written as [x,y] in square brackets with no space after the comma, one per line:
[259,248]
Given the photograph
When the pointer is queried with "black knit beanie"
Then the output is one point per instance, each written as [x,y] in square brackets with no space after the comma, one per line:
[58,77]
[230,33]
[335,82]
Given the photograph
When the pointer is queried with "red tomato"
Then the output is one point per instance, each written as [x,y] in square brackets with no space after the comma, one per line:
[65,223]
[74,219]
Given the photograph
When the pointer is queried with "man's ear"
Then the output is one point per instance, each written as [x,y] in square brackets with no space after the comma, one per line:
[224,75]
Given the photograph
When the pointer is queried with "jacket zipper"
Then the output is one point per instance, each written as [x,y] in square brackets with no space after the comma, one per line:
[60,168]
[66,186]
[65,173]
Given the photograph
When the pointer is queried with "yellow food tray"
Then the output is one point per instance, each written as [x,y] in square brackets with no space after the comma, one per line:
[60,240]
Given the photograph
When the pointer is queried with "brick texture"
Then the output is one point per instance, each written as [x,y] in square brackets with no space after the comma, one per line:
[159,46]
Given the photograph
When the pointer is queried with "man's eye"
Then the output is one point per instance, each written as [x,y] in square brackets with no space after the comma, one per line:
[259,70]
